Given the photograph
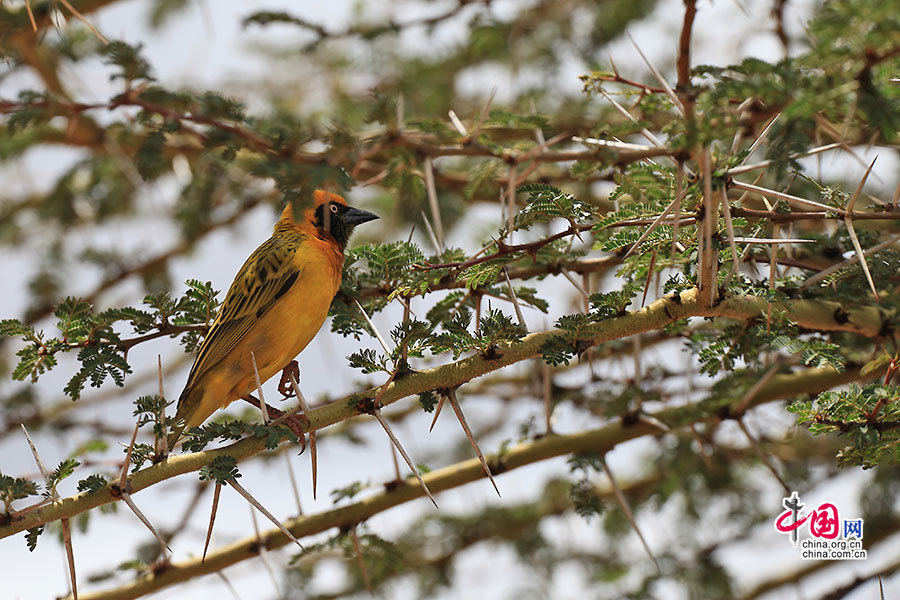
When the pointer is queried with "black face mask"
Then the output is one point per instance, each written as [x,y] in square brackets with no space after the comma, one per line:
[339,220]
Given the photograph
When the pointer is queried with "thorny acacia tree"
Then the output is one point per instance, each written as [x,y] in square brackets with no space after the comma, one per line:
[674,203]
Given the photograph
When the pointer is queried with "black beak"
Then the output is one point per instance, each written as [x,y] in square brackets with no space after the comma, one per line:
[355,216]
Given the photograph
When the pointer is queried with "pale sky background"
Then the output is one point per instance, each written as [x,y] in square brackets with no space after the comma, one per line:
[205,46]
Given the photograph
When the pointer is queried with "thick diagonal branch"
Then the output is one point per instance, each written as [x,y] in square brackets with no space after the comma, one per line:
[600,440]
[861,319]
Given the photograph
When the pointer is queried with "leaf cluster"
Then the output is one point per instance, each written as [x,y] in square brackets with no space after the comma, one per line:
[547,202]
[101,350]
[15,488]
[198,438]
[868,416]
[221,470]
[492,329]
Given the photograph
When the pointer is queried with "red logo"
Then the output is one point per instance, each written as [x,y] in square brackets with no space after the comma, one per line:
[823,522]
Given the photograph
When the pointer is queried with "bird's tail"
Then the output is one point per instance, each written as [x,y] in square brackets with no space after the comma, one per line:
[174,436]
[180,420]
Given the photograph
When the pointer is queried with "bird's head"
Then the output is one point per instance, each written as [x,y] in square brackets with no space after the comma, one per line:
[328,214]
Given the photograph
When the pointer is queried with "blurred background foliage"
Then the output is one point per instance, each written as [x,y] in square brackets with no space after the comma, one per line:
[480,98]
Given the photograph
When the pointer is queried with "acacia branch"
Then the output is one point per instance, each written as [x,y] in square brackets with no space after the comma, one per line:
[616,78]
[555,499]
[508,249]
[864,320]
[793,216]
[367,31]
[600,440]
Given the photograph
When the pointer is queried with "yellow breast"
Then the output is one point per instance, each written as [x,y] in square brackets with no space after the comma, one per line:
[279,335]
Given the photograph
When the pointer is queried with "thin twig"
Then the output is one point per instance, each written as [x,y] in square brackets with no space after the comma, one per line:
[508,249]
[484,113]
[437,412]
[15,514]
[263,407]
[127,462]
[752,240]
[754,389]
[762,136]
[212,519]
[848,221]
[548,397]
[762,455]
[81,18]
[767,163]
[574,282]
[679,193]
[30,15]
[162,442]
[458,124]
[702,447]
[66,526]
[264,554]
[841,265]
[431,235]
[431,190]
[708,257]
[653,225]
[228,584]
[375,331]
[313,451]
[294,488]
[64,522]
[627,510]
[729,227]
[859,188]
[377,414]
[511,200]
[665,84]
[126,497]
[397,476]
[783,196]
[359,560]
[240,490]
[451,396]
[515,300]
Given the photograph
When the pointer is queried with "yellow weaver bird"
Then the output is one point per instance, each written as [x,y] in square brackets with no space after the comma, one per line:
[275,306]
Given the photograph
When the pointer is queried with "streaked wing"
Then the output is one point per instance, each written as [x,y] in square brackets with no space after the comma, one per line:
[266,276]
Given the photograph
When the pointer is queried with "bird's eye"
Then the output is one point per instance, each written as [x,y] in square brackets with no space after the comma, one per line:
[334,208]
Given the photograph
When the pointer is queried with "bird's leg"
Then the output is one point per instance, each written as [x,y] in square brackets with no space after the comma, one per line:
[295,422]
[284,386]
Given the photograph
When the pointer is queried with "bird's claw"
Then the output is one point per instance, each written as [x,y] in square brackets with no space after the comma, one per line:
[298,424]
[285,387]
